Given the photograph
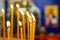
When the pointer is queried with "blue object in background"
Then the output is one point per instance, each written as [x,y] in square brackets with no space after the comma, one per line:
[41,4]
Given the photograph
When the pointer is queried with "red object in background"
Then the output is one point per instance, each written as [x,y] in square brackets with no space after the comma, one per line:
[53,37]
[47,37]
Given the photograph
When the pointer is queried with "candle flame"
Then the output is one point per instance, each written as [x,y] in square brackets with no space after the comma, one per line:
[33,17]
[3,10]
[22,12]
[17,5]
[20,23]
[28,14]
[11,6]
[8,23]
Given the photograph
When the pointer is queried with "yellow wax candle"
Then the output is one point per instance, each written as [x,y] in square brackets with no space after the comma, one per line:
[34,25]
[28,16]
[3,16]
[31,29]
[18,17]
[8,29]
[21,30]
[12,13]
[23,23]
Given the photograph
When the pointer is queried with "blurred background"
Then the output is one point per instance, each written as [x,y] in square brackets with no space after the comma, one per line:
[47,14]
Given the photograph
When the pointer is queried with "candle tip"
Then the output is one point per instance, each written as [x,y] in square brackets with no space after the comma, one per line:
[33,17]
[28,14]
[21,12]
[3,10]
[8,23]
[17,5]
[20,23]
[11,6]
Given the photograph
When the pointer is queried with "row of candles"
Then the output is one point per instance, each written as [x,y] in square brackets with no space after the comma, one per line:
[31,24]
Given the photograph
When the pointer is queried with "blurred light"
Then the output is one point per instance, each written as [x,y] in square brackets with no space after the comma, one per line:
[17,5]
[20,23]
[11,6]
[42,28]
[33,17]
[22,12]
[8,23]
[2,10]
[28,14]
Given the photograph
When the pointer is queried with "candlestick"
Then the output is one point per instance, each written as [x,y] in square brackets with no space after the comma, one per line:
[8,29]
[12,12]
[21,30]
[3,16]
[23,23]
[18,17]
[28,17]
[34,25]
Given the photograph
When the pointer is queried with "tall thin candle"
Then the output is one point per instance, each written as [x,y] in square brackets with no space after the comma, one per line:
[31,37]
[18,17]
[8,29]
[28,17]
[12,12]
[21,30]
[4,30]
[34,25]
[23,23]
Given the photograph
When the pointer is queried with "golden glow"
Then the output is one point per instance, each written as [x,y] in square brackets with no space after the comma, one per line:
[22,12]
[8,23]
[2,10]
[11,6]
[17,5]
[20,23]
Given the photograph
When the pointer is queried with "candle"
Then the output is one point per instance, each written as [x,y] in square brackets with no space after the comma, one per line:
[3,16]
[23,23]
[18,17]
[12,12]
[28,17]
[21,30]
[8,29]
[31,37]
[34,25]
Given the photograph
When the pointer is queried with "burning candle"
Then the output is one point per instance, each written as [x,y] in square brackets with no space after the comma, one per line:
[18,17]
[23,23]
[12,12]
[3,16]
[28,17]
[8,29]
[31,29]
[34,25]
[21,30]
